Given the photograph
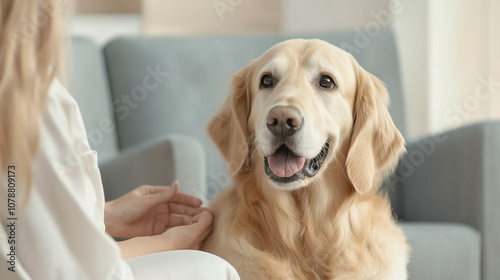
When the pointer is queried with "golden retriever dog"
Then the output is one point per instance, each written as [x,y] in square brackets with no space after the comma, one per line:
[309,140]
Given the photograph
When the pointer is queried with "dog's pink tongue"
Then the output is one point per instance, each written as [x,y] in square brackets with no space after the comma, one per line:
[285,164]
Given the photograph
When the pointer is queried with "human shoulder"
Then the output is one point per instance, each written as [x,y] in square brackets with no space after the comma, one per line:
[59,96]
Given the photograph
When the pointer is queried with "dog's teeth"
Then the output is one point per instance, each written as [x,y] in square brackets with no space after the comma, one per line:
[267,169]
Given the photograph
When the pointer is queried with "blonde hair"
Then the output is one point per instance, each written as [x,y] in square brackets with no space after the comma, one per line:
[30,57]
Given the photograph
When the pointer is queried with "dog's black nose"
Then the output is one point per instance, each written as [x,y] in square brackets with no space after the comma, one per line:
[284,120]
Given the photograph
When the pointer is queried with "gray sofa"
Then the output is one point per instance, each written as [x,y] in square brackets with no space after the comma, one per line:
[146,102]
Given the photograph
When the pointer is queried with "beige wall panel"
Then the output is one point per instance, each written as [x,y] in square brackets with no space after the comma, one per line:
[187,17]
[107,6]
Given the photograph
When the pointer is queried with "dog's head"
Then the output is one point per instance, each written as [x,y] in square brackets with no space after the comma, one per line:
[296,105]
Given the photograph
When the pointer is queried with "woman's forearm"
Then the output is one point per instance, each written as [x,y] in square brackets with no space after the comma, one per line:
[139,246]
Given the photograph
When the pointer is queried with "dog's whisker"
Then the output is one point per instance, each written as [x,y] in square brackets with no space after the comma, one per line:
[342,155]
[251,140]
[343,169]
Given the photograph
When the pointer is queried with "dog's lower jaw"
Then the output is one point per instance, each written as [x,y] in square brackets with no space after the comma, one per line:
[295,185]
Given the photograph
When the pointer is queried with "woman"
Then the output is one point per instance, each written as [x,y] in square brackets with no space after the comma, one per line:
[55,224]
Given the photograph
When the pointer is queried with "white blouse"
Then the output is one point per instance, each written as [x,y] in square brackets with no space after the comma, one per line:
[59,233]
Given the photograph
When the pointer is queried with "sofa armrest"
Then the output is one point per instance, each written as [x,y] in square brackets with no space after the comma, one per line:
[157,162]
[455,177]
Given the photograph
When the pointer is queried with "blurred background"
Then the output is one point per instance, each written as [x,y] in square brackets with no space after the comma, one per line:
[449,49]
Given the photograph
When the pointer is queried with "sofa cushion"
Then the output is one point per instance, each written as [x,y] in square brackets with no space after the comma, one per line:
[443,251]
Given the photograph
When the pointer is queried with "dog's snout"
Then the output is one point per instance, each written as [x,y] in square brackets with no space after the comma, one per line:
[284,120]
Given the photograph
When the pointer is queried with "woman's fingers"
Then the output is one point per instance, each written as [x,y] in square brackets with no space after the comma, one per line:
[201,220]
[204,221]
[186,199]
[175,221]
[192,234]
[205,224]
[158,193]
[181,209]
[151,190]
[166,195]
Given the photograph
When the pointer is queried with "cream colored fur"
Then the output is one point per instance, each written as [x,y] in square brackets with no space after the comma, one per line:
[335,225]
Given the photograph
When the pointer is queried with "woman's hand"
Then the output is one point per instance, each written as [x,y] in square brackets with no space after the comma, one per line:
[188,236]
[150,210]
[176,238]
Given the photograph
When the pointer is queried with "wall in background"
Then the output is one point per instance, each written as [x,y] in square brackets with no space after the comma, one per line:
[102,20]
[256,16]
[326,15]
[104,27]
[411,26]
[107,6]
[450,51]
[187,17]
[457,56]
[494,54]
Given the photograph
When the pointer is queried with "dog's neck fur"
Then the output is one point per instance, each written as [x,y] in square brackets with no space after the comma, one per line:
[303,230]
[313,206]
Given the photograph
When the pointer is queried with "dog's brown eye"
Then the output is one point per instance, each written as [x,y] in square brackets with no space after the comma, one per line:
[266,81]
[326,82]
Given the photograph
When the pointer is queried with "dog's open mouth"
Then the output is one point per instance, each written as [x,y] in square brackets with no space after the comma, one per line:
[285,167]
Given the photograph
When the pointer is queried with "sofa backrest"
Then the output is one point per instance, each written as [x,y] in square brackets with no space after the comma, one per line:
[176,84]
[89,86]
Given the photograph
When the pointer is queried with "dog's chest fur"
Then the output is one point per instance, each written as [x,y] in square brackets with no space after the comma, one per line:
[305,234]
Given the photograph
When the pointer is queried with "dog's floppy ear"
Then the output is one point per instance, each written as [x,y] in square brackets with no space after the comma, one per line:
[229,127]
[376,143]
